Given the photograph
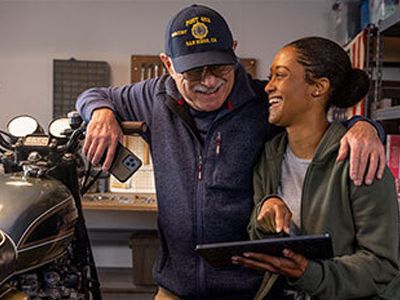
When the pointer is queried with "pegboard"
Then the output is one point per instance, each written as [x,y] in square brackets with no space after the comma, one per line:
[71,77]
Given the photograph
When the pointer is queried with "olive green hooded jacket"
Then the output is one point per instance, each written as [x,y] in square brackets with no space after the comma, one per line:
[363,222]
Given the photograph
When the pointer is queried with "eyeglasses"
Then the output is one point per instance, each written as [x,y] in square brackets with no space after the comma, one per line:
[199,73]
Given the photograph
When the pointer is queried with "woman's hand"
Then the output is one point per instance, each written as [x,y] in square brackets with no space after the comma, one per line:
[274,216]
[292,265]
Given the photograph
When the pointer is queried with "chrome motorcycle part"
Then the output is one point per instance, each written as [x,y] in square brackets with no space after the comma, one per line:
[34,166]
[34,157]
[75,119]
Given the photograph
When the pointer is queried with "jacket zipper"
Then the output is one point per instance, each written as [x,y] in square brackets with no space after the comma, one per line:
[199,220]
[199,201]
[218,141]
[200,168]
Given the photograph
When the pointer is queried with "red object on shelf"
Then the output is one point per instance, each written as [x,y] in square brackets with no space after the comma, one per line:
[393,156]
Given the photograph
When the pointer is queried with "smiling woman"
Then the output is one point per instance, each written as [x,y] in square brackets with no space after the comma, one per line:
[289,94]
[300,187]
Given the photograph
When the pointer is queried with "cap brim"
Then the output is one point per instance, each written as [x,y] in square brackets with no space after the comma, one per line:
[195,60]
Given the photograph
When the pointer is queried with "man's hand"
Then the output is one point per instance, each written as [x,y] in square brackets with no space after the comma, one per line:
[274,216]
[102,134]
[365,149]
[292,265]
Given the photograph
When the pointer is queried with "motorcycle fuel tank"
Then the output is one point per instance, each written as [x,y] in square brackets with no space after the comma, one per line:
[37,219]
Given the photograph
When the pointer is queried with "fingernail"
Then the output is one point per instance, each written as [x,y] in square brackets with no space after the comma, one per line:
[357,182]
[368,181]
[246,254]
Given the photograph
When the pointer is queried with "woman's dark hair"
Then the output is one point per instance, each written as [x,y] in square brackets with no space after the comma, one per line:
[324,58]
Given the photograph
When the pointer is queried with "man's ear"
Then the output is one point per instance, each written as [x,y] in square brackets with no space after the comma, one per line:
[167,63]
[321,87]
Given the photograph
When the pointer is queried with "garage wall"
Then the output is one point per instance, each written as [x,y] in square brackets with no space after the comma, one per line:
[33,33]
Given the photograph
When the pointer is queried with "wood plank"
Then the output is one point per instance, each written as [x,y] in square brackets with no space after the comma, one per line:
[120,201]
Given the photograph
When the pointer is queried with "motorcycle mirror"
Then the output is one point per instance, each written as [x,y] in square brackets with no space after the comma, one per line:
[58,127]
[23,125]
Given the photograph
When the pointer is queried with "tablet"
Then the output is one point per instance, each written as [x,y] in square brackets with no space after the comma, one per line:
[311,246]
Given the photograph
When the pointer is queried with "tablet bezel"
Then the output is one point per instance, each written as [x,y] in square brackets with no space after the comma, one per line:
[311,246]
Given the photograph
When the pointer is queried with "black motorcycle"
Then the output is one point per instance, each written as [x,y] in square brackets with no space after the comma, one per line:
[44,246]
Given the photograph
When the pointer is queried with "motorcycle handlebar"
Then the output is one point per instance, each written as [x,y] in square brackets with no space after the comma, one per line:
[130,127]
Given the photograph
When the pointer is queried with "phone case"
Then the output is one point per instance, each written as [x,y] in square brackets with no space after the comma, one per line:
[125,164]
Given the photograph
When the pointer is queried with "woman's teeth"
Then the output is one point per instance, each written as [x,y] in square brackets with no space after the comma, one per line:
[275,100]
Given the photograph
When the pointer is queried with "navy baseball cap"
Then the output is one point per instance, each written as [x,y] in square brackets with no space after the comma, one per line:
[198,36]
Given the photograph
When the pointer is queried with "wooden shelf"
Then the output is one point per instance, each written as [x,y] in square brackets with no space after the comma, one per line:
[391,25]
[120,202]
[390,113]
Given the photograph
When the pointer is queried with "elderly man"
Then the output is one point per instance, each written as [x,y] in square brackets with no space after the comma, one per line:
[208,122]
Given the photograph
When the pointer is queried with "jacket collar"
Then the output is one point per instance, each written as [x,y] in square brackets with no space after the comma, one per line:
[329,143]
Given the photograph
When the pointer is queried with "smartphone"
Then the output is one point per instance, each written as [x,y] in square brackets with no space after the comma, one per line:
[125,163]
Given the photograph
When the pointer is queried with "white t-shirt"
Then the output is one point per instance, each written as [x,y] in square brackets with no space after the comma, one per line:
[290,190]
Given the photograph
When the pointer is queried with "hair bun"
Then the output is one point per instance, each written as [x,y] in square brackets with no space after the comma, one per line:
[354,90]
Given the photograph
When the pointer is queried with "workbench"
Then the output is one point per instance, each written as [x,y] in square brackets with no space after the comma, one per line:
[120,202]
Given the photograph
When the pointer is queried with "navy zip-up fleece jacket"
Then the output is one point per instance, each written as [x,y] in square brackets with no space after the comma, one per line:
[204,195]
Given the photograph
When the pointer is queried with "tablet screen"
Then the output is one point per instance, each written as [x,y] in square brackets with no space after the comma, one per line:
[310,246]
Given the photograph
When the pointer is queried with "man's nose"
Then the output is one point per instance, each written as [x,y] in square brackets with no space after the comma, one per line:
[208,78]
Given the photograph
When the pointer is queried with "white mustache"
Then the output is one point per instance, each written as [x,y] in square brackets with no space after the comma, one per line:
[199,88]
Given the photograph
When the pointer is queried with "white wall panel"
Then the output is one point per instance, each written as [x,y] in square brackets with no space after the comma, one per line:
[33,33]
